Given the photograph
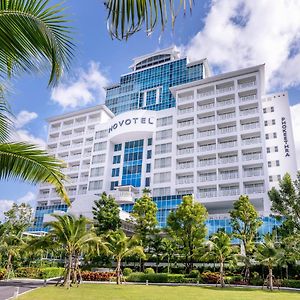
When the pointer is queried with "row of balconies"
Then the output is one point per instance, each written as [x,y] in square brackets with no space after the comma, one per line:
[57,127]
[69,136]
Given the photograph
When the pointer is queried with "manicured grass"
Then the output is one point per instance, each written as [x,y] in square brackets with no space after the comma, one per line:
[135,292]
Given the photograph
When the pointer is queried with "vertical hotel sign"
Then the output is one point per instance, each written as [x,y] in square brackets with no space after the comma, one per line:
[285,138]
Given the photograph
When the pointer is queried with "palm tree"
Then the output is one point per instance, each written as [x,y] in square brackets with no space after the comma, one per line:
[34,38]
[76,235]
[269,253]
[220,249]
[168,250]
[125,17]
[121,246]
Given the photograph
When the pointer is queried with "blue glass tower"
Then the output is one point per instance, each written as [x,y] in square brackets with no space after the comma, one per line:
[148,85]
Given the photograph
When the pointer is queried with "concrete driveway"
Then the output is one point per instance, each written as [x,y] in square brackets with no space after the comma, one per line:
[8,288]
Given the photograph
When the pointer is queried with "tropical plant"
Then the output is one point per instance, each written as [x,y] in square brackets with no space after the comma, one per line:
[219,248]
[168,248]
[186,226]
[12,240]
[77,236]
[106,214]
[128,16]
[286,203]
[245,223]
[269,253]
[121,246]
[34,38]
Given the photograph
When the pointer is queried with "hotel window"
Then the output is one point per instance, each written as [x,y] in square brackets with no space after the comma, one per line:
[116,159]
[100,146]
[164,134]
[101,134]
[148,168]
[150,142]
[162,162]
[113,184]
[115,172]
[164,121]
[163,148]
[118,147]
[149,154]
[95,185]
[162,177]
[147,181]
[97,172]
[274,135]
[98,158]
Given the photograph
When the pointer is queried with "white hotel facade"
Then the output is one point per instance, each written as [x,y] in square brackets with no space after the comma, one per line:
[213,136]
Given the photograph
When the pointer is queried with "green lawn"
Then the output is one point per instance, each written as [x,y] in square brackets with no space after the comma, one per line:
[134,292]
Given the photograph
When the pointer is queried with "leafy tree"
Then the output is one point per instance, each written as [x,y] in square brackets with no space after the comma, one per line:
[156,249]
[12,240]
[144,216]
[144,213]
[76,235]
[186,226]
[269,253]
[106,214]
[121,246]
[286,203]
[245,223]
[219,248]
[168,249]
[127,17]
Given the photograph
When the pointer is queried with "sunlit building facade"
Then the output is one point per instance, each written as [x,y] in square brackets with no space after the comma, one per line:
[173,127]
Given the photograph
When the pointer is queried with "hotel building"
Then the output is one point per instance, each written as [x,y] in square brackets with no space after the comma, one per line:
[172,126]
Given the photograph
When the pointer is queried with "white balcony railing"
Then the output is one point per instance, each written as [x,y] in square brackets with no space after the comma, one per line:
[228,175]
[254,190]
[254,172]
[207,162]
[185,124]
[205,106]
[226,116]
[225,130]
[227,144]
[185,111]
[225,102]
[251,141]
[205,94]
[248,112]
[185,99]
[252,156]
[185,151]
[206,133]
[228,160]
[210,194]
[207,147]
[185,180]
[248,98]
[247,84]
[185,137]
[204,178]
[185,165]
[229,192]
[250,126]
[225,89]
[206,120]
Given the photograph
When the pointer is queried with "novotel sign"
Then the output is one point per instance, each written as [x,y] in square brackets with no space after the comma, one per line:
[131,121]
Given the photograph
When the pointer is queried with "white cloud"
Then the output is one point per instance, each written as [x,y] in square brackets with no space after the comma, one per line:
[295,112]
[5,205]
[240,33]
[24,135]
[85,87]
[24,117]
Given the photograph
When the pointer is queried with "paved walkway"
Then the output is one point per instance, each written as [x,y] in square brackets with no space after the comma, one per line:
[8,288]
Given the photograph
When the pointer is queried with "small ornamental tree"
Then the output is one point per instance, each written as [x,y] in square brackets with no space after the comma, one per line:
[186,226]
[245,223]
[106,214]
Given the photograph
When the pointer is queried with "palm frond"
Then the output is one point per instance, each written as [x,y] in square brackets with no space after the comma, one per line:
[33,37]
[5,118]
[27,163]
[125,17]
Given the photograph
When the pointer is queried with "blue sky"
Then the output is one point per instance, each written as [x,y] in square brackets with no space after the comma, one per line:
[231,33]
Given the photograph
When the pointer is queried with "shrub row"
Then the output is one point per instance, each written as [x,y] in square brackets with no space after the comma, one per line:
[97,276]
[2,273]
[156,278]
[39,273]
[291,283]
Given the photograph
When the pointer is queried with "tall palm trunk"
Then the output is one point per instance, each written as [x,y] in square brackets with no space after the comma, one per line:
[118,270]
[168,264]
[222,274]
[270,278]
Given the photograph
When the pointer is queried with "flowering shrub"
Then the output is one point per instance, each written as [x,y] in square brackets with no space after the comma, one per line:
[2,273]
[210,277]
[97,276]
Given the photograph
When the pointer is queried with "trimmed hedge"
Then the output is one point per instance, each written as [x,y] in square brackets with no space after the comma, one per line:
[39,273]
[127,271]
[293,283]
[149,271]
[156,278]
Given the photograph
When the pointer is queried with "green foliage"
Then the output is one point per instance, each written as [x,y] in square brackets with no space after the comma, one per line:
[186,226]
[106,214]
[156,278]
[193,274]
[286,203]
[291,283]
[149,271]
[2,273]
[39,273]
[127,271]
[144,213]
[97,276]
[245,222]
[127,17]
[210,277]
[49,46]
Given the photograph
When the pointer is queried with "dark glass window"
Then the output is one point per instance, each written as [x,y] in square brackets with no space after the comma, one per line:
[118,147]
